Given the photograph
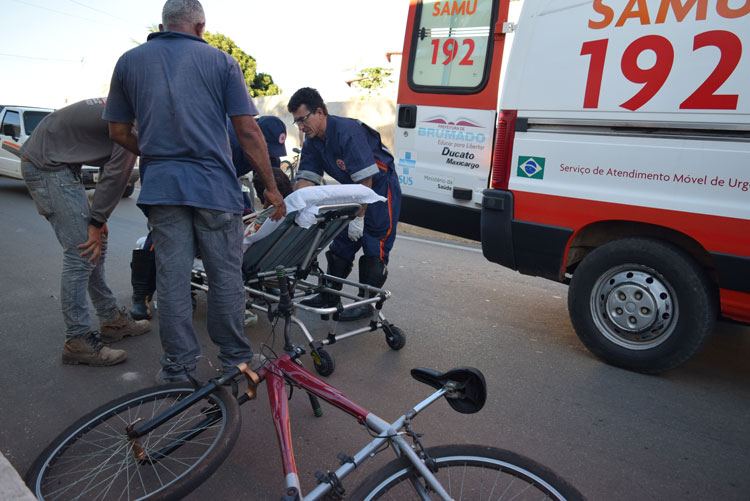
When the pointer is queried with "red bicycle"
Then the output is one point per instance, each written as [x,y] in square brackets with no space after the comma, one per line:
[162,442]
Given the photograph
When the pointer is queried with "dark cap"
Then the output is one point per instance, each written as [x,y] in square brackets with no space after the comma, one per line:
[274,131]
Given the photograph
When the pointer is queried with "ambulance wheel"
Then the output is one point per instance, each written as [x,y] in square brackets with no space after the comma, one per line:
[323,361]
[394,336]
[642,304]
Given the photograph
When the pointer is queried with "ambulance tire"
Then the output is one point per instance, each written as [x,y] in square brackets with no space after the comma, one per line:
[642,304]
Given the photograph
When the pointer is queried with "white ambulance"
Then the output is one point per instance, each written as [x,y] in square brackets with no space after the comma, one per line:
[617,159]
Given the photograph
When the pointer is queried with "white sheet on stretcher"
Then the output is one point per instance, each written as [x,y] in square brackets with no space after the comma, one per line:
[307,201]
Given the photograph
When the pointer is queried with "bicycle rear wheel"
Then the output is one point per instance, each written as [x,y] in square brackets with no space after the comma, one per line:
[470,472]
[94,459]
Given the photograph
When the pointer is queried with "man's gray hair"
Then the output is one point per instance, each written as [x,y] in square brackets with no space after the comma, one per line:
[182,12]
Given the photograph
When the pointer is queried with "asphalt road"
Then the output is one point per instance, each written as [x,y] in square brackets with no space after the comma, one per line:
[615,435]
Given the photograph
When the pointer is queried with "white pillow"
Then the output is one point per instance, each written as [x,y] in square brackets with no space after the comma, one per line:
[307,200]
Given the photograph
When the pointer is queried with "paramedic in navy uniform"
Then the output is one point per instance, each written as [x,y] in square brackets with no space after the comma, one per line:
[350,152]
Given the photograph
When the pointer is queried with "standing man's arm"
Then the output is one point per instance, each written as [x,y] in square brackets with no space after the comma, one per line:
[124,135]
[253,145]
[113,180]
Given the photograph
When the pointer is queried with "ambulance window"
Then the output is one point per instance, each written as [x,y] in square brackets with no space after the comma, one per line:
[451,46]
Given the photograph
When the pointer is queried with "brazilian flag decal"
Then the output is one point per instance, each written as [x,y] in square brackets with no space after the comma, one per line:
[532,167]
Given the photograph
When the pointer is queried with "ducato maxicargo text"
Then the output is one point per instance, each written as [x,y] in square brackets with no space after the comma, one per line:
[620,161]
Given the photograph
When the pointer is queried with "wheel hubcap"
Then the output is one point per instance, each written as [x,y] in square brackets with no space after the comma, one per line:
[634,307]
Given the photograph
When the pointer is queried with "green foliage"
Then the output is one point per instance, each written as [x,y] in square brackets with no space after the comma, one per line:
[260,84]
[372,80]
[264,86]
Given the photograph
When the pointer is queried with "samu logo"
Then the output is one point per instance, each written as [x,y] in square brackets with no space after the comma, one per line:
[531,167]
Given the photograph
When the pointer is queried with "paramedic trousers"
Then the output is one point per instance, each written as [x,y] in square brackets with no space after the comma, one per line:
[177,231]
[61,198]
[381,219]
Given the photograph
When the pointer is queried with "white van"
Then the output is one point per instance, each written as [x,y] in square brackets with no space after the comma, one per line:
[618,158]
[16,125]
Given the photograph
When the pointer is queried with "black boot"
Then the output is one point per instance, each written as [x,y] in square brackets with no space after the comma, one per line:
[143,280]
[372,271]
[337,267]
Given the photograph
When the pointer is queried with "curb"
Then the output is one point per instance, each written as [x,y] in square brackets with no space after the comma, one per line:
[12,487]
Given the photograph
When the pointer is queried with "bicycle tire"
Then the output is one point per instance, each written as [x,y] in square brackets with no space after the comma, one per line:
[93,458]
[491,473]
[288,168]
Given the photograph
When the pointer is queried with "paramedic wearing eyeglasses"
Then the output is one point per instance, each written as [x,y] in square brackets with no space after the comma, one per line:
[350,152]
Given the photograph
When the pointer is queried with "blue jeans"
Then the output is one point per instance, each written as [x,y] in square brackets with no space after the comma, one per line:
[61,198]
[176,231]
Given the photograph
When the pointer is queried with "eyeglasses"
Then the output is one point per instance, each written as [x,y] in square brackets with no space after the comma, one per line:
[302,119]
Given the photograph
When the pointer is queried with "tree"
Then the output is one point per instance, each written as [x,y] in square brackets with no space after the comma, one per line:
[259,84]
[372,80]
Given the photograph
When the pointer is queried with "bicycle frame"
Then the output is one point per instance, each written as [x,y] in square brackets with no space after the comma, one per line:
[276,375]
[285,369]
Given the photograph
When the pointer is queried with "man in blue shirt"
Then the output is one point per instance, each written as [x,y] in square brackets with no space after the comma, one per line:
[179,89]
[143,263]
[350,152]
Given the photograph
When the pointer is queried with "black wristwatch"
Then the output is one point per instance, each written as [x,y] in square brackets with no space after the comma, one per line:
[95,223]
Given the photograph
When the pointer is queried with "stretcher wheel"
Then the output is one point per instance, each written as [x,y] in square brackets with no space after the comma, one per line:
[394,336]
[323,362]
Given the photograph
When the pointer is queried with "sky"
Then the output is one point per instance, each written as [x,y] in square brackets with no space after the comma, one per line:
[57,52]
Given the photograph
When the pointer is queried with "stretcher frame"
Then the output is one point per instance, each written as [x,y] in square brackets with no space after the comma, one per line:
[295,249]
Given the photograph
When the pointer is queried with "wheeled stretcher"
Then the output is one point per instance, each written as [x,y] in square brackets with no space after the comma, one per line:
[313,220]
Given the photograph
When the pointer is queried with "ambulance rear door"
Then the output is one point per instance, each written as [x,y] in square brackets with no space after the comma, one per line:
[447,102]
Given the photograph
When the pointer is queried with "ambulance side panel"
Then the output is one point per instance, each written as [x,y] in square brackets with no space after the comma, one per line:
[627,122]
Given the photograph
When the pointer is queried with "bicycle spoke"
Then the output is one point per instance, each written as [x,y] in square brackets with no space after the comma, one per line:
[98,460]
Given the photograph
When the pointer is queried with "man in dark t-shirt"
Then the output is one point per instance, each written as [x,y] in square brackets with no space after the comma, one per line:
[51,167]
[179,89]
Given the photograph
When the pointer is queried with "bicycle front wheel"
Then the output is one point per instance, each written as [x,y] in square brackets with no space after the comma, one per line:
[469,472]
[95,459]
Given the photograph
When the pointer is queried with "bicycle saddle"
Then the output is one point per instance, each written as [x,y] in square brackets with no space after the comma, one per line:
[470,392]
